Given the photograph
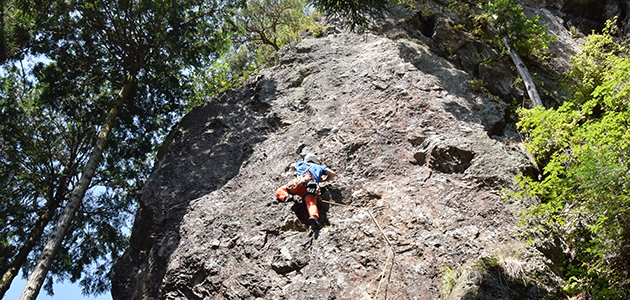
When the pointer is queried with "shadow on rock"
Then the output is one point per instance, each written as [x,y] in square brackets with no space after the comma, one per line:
[504,278]
[449,85]
[200,155]
[302,213]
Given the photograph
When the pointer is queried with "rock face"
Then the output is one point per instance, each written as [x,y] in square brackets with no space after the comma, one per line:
[413,147]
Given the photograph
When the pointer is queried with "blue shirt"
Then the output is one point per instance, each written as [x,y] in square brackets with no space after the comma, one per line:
[316,170]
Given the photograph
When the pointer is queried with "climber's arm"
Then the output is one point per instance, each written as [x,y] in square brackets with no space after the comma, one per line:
[329,175]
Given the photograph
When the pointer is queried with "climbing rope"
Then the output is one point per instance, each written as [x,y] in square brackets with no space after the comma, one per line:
[391,247]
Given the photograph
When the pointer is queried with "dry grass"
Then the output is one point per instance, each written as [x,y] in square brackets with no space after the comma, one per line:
[513,268]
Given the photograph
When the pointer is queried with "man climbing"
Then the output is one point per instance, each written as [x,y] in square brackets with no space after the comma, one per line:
[306,185]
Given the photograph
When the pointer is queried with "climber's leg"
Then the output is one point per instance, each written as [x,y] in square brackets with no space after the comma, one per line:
[282,193]
[311,205]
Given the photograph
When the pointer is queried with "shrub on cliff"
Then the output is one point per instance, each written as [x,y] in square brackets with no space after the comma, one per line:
[527,36]
[264,26]
[584,146]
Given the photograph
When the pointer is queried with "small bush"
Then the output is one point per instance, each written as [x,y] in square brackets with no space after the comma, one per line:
[318,30]
[449,277]
[477,85]
[527,36]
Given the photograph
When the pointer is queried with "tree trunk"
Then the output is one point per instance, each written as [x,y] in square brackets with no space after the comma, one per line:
[36,232]
[36,279]
[522,70]
[20,258]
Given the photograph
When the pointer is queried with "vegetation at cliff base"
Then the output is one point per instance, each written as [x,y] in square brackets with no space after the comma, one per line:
[584,146]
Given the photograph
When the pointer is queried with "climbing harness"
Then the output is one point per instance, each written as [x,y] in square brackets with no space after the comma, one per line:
[312,187]
[391,247]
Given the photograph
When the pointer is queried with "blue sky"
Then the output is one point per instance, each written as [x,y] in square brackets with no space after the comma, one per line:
[63,291]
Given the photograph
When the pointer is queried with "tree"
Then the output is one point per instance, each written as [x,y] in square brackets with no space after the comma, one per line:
[38,275]
[40,158]
[16,26]
[139,48]
[272,22]
[519,35]
[264,26]
[354,14]
[584,146]
[21,21]
[43,145]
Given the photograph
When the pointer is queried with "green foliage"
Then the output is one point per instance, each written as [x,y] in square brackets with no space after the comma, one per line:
[210,81]
[491,20]
[50,113]
[527,36]
[599,56]
[477,85]
[264,26]
[272,22]
[449,277]
[42,150]
[19,23]
[318,30]
[481,27]
[354,14]
[584,146]
[463,8]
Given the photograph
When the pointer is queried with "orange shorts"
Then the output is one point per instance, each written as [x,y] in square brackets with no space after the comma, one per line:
[300,190]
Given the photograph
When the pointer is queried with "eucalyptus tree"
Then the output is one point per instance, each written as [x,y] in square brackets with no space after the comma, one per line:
[120,68]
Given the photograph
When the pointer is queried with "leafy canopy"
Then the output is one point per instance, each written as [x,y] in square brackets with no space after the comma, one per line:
[584,146]
[18,25]
[526,35]
[271,22]
[43,148]
[263,27]
[51,113]
[354,14]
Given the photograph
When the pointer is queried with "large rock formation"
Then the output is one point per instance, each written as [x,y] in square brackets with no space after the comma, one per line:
[412,145]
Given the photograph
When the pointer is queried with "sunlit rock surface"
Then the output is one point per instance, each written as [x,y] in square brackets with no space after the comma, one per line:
[412,144]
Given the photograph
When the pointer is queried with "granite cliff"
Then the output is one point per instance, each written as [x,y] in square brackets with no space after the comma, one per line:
[413,145]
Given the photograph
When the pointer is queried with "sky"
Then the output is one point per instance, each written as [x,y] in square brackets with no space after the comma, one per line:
[63,291]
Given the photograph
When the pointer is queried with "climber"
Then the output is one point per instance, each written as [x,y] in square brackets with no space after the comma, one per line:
[306,185]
